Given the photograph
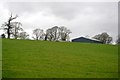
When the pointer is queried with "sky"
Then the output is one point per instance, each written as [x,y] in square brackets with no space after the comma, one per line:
[83,18]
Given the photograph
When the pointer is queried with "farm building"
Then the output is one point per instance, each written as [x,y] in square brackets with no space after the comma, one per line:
[86,40]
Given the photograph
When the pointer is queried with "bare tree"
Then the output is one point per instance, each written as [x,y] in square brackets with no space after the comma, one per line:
[52,34]
[118,39]
[64,33]
[57,33]
[46,37]
[109,40]
[23,35]
[49,36]
[16,28]
[8,26]
[103,37]
[38,34]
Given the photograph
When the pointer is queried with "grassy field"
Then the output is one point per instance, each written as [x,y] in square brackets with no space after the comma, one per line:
[44,59]
[0,58]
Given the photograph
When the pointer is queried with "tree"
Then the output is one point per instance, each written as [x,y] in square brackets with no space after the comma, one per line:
[39,34]
[109,40]
[2,35]
[118,40]
[52,34]
[54,31]
[64,33]
[8,26]
[48,35]
[16,28]
[103,37]
[23,35]
[57,33]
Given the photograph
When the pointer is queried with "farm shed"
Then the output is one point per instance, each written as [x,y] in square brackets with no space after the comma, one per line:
[86,40]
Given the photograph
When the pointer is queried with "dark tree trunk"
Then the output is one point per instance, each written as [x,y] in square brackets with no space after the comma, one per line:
[46,37]
[8,32]
[9,25]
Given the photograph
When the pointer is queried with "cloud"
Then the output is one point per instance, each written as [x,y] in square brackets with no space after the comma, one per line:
[4,15]
[60,0]
[82,18]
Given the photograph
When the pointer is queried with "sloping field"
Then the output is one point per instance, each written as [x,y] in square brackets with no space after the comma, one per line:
[0,58]
[44,59]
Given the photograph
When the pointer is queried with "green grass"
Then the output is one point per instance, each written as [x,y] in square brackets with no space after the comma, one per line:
[0,58]
[44,59]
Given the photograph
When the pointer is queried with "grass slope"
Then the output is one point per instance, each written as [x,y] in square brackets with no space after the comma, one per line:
[0,58]
[44,59]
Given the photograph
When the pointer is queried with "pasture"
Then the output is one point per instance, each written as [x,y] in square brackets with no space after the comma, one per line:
[45,59]
[0,58]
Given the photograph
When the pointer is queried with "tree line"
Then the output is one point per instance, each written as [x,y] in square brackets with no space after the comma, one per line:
[55,33]
[14,30]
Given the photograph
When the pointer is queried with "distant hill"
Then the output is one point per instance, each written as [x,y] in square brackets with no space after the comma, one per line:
[45,59]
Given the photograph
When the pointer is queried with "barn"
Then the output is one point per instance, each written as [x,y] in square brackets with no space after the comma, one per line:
[86,40]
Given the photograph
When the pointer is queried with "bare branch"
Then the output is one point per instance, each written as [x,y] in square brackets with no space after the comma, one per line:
[13,18]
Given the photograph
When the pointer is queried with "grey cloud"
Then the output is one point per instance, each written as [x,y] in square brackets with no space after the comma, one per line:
[67,10]
[83,18]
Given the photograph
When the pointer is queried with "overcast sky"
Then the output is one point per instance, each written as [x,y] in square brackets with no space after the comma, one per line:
[82,18]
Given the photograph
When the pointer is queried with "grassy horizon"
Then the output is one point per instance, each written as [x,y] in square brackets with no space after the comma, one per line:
[45,59]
